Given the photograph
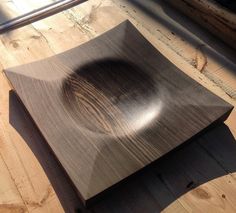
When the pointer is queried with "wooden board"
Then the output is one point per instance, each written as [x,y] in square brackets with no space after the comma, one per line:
[107,110]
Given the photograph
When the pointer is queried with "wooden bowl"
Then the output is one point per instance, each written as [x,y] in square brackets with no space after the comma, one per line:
[112,106]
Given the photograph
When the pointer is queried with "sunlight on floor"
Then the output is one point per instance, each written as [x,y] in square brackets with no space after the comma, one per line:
[217,192]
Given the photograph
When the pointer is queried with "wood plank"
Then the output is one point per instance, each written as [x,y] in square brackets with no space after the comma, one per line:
[86,118]
[10,198]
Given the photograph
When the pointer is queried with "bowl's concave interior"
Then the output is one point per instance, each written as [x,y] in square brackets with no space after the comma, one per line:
[111,97]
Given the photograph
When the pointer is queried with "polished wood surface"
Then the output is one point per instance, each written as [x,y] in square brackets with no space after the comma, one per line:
[112,106]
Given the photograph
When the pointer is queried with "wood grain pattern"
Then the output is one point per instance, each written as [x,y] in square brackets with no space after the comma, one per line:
[112,106]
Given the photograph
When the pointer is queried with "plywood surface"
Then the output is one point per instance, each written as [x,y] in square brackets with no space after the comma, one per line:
[30,175]
[108,110]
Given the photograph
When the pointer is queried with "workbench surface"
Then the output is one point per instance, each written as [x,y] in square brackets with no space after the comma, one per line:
[198,177]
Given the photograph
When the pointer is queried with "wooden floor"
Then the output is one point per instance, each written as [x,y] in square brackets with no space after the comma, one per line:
[199,177]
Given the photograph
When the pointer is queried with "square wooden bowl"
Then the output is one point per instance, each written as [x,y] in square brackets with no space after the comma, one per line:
[112,106]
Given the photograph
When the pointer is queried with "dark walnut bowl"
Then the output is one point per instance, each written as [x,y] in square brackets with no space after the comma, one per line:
[112,106]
